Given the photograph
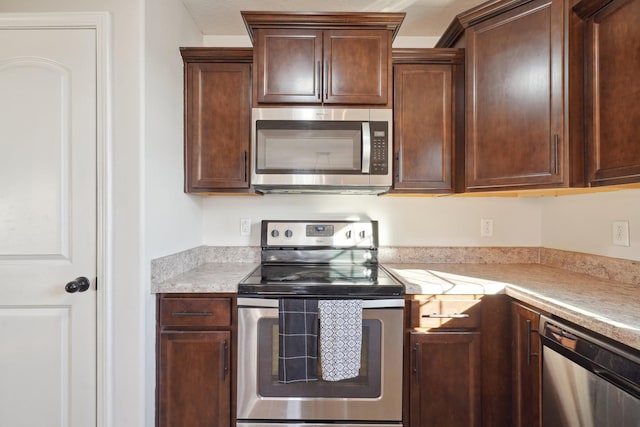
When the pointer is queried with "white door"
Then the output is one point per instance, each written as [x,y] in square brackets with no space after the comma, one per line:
[47,227]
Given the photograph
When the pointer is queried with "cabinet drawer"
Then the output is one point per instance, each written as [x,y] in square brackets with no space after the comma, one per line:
[195,312]
[445,313]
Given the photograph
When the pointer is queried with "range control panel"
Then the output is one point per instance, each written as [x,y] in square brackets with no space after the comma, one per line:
[331,234]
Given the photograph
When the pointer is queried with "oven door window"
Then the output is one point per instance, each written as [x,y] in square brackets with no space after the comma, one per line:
[366,385]
[284,146]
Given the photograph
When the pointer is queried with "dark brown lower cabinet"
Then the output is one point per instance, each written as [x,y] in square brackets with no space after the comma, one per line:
[445,381]
[195,385]
[457,361]
[194,362]
[526,366]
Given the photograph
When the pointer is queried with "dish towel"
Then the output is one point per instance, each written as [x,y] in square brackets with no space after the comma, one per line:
[297,340]
[340,338]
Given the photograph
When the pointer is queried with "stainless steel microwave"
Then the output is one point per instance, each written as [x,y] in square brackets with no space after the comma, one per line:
[321,150]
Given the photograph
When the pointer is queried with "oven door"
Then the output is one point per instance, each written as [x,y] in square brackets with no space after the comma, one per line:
[375,395]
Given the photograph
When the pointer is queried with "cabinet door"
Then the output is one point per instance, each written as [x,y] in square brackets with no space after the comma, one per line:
[445,380]
[193,379]
[357,66]
[423,142]
[218,126]
[526,367]
[515,98]
[289,66]
[613,88]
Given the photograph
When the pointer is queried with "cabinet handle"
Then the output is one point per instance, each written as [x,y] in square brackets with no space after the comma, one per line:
[398,165]
[416,362]
[555,153]
[326,80]
[192,313]
[318,80]
[225,368]
[446,316]
[245,158]
[529,354]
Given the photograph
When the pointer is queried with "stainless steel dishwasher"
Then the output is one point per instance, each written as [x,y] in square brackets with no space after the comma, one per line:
[587,380]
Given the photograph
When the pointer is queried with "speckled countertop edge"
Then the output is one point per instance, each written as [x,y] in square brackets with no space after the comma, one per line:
[595,300]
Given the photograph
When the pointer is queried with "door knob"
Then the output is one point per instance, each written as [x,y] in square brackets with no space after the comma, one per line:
[80,284]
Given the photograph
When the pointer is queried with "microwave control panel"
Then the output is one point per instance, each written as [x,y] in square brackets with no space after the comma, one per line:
[379,148]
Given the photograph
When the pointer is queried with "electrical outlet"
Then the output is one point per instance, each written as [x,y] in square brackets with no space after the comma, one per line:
[486,227]
[620,233]
[245,226]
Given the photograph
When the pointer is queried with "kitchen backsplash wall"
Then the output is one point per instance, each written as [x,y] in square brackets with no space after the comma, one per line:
[584,222]
[403,221]
[580,223]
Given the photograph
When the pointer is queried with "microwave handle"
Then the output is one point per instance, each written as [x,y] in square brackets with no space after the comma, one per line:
[366,147]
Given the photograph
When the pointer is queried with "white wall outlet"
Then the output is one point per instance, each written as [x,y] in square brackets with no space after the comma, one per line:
[486,227]
[620,235]
[245,226]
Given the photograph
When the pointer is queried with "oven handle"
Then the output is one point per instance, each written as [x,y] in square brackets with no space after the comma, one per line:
[366,303]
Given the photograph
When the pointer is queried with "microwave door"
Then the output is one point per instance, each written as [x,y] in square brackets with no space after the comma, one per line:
[311,147]
[366,147]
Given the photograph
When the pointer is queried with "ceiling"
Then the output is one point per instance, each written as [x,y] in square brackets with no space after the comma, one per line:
[425,18]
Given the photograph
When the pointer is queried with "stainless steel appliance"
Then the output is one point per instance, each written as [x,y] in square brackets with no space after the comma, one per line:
[587,381]
[325,261]
[326,150]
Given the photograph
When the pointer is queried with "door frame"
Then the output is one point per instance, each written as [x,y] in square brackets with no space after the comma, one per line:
[101,23]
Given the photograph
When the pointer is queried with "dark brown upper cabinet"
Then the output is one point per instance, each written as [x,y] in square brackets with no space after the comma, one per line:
[322,58]
[217,105]
[523,94]
[612,46]
[428,124]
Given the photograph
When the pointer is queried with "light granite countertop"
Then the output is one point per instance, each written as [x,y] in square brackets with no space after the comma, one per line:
[604,306]
[208,277]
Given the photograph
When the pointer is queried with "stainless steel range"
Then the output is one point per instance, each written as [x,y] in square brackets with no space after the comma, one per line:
[339,361]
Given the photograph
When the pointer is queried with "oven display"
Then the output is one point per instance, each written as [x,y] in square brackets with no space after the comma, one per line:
[319,230]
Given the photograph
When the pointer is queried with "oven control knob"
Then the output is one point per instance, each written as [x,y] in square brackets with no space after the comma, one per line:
[275,233]
[288,233]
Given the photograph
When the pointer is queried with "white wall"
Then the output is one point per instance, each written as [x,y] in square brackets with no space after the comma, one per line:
[403,221]
[172,220]
[583,223]
[580,223]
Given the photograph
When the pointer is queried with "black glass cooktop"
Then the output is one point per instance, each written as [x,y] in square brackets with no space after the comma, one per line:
[320,280]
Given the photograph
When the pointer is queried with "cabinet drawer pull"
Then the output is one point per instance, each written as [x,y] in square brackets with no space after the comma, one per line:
[192,313]
[446,316]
